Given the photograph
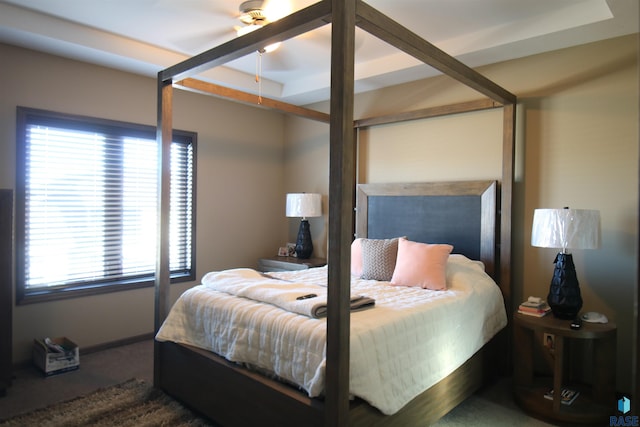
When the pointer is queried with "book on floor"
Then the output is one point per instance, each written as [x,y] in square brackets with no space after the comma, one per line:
[567,395]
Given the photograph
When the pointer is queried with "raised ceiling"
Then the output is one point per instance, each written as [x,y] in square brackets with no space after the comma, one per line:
[146,36]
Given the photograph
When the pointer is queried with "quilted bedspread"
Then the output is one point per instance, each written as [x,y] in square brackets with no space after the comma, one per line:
[409,341]
[295,296]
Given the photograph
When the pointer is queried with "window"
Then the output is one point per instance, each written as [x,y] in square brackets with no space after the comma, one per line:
[86,205]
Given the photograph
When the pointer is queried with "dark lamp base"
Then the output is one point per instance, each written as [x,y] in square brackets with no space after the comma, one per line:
[564,294]
[304,245]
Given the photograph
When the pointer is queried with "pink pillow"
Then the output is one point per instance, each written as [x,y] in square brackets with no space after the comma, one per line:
[356,257]
[421,264]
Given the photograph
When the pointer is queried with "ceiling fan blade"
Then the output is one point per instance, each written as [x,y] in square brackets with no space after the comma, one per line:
[198,25]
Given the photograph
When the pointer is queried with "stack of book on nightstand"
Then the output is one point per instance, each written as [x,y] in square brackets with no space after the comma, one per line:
[534,306]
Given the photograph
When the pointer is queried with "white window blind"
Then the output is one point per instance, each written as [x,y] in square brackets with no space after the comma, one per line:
[90,206]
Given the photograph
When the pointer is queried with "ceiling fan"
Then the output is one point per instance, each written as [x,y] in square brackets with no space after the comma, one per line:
[257,13]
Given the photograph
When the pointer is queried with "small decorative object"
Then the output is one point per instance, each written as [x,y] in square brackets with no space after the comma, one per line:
[549,341]
[283,251]
[305,205]
[565,229]
[291,249]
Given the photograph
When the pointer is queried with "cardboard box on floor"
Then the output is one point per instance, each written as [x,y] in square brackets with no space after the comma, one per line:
[53,362]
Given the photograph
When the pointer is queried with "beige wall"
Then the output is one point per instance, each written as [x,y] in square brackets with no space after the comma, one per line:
[240,175]
[307,170]
[577,145]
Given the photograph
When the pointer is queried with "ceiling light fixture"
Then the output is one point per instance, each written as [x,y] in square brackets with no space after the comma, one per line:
[252,11]
[256,14]
[241,31]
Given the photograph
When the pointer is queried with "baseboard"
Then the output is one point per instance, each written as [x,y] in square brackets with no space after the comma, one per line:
[116,343]
[97,347]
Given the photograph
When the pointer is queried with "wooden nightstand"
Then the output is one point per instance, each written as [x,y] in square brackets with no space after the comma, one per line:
[597,400]
[285,263]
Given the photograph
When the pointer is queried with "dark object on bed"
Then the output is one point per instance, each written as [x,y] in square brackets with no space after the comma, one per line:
[228,393]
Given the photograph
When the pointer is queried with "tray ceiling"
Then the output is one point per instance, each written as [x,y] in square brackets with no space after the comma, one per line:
[146,36]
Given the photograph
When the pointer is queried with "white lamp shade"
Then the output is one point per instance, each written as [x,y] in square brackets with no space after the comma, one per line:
[305,205]
[566,228]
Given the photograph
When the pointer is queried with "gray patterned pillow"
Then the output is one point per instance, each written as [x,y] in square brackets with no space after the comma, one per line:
[379,258]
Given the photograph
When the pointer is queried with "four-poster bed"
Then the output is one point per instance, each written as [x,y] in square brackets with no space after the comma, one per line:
[233,395]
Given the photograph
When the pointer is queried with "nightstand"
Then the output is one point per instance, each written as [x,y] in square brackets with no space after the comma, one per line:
[596,400]
[286,263]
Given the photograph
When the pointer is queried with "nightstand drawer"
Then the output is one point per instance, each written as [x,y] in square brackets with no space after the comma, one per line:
[283,263]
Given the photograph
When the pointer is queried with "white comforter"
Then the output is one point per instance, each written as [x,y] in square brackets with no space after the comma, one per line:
[409,341]
[291,295]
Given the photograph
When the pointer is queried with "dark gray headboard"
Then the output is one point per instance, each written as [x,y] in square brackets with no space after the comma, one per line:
[461,213]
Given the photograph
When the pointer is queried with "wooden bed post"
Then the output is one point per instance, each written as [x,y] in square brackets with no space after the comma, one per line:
[162,279]
[341,195]
[506,208]
[506,195]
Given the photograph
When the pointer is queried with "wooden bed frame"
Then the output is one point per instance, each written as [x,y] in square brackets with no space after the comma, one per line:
[232,395]
[208,382]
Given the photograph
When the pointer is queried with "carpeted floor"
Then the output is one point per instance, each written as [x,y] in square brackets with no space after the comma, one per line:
[31,390]
[135,403]
[130,404]
[480,412]
[492,406]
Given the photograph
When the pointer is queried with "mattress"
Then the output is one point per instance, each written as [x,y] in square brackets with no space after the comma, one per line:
[408,341]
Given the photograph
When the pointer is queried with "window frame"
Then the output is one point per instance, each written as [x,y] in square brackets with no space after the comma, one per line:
[26,116]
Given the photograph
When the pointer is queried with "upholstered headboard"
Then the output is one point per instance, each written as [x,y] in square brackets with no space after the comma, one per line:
[463,214]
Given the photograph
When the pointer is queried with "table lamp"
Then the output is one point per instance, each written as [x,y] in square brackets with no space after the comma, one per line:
[304,205]
[565,229]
